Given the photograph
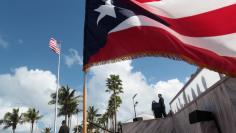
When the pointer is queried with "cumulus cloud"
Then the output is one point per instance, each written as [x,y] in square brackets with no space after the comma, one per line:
[26,88]
[73,58]
[133,82]
[3,42]
[168,89]
[31,87]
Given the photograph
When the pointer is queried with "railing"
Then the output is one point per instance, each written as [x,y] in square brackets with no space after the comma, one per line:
[198,83]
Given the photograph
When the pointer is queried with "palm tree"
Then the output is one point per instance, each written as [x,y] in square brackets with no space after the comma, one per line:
[92,113]
[47,130]
[114,100]
[105,117]
[78,129]
[31,116]
[110,115]
[103,121]
[68,102]
[114,85]
[11,119]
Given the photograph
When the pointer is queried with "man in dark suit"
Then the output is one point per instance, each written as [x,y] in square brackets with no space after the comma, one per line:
[162,105]
[64,128]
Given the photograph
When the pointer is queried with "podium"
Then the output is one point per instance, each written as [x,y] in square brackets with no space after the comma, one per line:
[137,119]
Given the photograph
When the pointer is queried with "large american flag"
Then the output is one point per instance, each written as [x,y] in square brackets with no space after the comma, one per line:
[54,45]
[199,32]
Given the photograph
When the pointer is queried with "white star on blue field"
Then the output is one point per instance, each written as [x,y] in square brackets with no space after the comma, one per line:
[105,10]
[25,29]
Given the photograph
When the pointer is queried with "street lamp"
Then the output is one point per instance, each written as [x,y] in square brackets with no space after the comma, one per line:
[134,104]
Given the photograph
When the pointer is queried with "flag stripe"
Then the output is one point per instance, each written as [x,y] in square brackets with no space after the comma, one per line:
[186,8]
[145,1]
[222,45]
[149,41]
[212,23]
[56,50]
[54,46]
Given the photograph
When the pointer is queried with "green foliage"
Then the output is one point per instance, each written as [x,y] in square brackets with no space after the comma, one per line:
[103,120]
[11,119]
[31,116]
[79,127]
[92,114]
[67,100]
[114,99]
[114,85]
[47,130]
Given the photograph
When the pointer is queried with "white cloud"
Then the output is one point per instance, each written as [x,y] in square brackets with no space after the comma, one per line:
[3,42]
[168,89]
[73,58]
[186,79]
[31,87]
[133,82]
[27,88]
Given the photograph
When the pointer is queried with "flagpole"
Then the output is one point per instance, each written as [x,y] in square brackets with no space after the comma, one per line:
[85,104]
[77,127]
[58,79]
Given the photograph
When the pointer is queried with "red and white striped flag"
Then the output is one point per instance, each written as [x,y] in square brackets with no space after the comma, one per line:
[199,32]
[54,46]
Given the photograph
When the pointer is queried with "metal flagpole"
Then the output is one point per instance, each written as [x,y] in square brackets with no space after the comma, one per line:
[58,79]
[85,105]
[36,128]
[77,121]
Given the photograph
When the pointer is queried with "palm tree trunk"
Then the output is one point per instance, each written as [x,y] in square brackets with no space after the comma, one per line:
[32,127]
[112,122]
[106,123]
[114,119]
[66,119]
[115,110]
[69,121]
[13,130]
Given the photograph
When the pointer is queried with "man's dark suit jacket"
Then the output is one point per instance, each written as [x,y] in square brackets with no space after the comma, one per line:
[161,102]
[64,129]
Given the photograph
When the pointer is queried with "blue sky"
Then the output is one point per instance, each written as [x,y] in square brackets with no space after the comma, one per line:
[27,25]
[34,22]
